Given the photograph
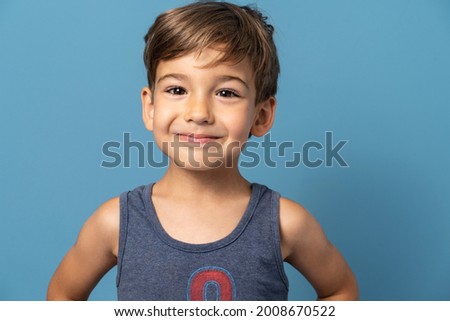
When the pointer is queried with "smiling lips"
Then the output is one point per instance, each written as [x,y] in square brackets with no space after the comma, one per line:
[197,138]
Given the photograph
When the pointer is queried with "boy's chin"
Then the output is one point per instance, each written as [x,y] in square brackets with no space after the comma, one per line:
[193,165]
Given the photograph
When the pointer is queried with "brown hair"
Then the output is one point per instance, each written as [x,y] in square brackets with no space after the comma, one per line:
[238,31]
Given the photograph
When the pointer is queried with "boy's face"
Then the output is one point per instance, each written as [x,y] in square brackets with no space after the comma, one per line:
[201,117]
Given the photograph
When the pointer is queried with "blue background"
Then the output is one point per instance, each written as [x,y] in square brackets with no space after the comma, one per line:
[375,73]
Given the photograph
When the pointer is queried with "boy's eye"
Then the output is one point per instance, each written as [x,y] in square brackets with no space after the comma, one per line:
[227,93]
[176,91]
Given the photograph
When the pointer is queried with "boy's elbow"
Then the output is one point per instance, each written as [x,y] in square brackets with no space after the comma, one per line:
[54,294]
[347,292]
[57,292]
[58,296]
[352,293]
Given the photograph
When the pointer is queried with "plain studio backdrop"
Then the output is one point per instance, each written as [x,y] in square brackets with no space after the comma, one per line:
[375,74]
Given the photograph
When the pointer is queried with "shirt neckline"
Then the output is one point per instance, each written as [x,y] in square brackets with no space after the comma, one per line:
[205,247]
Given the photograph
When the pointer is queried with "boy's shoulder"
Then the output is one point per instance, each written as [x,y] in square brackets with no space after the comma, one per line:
[297,226]
[104,224]
[293,216]
[108,212]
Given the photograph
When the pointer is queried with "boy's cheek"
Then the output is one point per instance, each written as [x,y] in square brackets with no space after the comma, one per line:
[239,129]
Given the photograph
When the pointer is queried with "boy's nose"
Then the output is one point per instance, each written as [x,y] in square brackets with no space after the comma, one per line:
[198,111]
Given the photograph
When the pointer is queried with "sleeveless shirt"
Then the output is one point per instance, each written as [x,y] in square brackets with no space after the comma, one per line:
[245,265]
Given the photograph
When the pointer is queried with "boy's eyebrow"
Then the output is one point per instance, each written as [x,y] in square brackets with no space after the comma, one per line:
[184,77]
[176,76]
[227,78]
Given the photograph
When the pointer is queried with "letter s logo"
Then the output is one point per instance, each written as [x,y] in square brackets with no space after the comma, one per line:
[219,279]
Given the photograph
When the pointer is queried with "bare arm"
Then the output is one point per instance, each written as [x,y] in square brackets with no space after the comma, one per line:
[93,254]
[305,246]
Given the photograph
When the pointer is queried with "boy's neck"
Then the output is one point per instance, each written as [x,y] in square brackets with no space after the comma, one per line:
[184,183]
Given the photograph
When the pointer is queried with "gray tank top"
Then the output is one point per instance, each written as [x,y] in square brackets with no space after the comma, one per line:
[245,265]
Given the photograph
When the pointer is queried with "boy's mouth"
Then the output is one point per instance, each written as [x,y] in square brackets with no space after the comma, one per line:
[197,138]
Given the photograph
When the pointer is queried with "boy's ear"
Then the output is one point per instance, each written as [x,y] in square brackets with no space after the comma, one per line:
[264,118]
[147,107]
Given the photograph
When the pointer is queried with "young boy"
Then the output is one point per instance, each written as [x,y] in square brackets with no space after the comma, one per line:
[203,232]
